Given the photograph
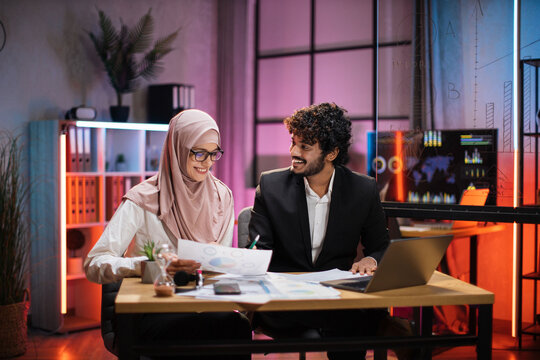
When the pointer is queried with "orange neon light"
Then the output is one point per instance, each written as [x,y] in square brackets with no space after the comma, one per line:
[63,281]
[400,193]
[517,127]
[515,244]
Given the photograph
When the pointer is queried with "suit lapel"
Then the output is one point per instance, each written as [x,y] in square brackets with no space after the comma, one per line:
[303,218]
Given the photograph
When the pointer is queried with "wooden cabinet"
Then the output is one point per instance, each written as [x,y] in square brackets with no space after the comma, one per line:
[79,171]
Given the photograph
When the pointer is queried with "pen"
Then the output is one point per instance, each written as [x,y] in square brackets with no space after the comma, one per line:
[254,242]
[263,285]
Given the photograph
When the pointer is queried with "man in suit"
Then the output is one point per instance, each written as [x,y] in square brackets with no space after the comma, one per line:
[314,214]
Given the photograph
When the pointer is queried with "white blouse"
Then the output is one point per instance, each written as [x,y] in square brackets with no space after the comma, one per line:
[117,254]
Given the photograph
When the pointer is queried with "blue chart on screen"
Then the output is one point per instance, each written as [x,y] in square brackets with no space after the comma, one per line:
[223,262]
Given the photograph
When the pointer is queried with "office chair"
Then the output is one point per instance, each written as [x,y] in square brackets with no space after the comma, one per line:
[243,227]
[393,228]
[108,318]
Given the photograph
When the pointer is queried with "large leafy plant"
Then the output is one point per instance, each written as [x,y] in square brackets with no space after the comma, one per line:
[124,54]
[14,240]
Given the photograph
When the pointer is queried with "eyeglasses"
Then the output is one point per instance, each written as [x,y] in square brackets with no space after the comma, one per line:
[202,155]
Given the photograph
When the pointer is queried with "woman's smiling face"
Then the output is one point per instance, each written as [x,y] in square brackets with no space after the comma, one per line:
[198,170]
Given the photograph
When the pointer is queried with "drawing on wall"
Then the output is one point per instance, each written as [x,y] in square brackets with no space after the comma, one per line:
[477,11]
[507,117]
[490,115]
[527,116]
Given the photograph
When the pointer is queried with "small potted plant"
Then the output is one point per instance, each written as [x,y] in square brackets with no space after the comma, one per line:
[120,164]
[149,268]
[124,56]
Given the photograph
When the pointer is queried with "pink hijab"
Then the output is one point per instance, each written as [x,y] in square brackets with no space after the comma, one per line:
[199,211]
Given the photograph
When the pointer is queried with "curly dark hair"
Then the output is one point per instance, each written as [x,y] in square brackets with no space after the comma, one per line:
[326,124]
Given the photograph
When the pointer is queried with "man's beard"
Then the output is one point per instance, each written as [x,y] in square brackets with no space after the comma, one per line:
[313,168]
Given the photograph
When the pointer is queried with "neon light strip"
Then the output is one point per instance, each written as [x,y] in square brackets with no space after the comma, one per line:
[399,174]
[122,126]
[516,107]
[63,248]
[514,260]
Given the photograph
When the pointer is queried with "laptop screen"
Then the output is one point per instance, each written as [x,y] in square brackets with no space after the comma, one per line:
[406,262]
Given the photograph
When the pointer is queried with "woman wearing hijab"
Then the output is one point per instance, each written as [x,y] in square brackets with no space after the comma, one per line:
[183,201]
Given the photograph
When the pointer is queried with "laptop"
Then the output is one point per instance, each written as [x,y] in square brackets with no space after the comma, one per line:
[475,197]
[406,262]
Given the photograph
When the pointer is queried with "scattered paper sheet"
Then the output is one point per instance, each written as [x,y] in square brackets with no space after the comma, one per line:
[260,290]
[225,259]
[414,228]
[251,294]
[334,274]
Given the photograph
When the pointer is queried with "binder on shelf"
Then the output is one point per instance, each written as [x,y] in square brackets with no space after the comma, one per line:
[80,200]
[72,157]
[186,97]
[119,191]
[191,97]
[166,100]
[108,197]
[87,163]
[182,98]
[175,97]
[115,190]
[75,199]
[92,196]
[80,149]
[127,185]
[86,199]
[71,199]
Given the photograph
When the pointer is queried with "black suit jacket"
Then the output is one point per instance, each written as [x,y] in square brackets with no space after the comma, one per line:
[280,217]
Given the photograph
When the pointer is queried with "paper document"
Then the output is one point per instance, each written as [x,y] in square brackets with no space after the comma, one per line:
[225,259]
[260,290]
[334,274]
[413,228]
[251,293]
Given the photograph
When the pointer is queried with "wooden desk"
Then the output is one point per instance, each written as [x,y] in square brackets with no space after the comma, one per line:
[470,232]
[135,297]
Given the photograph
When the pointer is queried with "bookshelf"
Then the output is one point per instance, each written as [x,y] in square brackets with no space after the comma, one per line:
[77,182]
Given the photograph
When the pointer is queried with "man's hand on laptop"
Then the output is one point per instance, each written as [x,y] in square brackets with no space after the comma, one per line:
[366,265]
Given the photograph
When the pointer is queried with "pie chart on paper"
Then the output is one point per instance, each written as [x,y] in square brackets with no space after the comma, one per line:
[223,262]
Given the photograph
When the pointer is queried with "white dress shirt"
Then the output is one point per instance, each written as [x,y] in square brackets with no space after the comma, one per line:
[318,210]
[117,253]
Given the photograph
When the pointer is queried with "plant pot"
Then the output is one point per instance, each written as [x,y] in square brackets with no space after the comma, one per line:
[149,271]
[120,166]
[119,113]
[13,329]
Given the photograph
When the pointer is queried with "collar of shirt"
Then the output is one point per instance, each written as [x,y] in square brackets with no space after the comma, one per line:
[326,197]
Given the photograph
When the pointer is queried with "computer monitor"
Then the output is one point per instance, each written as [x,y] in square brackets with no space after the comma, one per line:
[433,166]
